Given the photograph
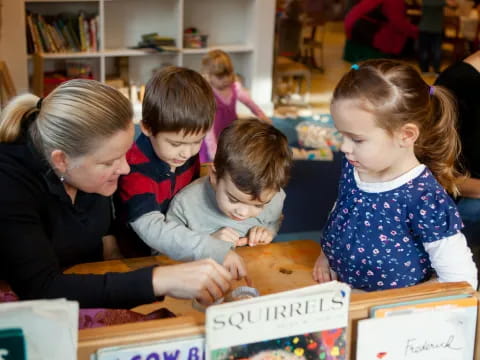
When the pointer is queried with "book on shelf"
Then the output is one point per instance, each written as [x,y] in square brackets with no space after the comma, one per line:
[306,323]
[62,33]
[440,328]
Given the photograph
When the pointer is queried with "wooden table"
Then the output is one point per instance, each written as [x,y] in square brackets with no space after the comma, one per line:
[273,268]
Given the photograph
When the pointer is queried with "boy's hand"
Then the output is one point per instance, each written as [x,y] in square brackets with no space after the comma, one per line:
[259,235]
[226,234]
[235,265]
[321,270]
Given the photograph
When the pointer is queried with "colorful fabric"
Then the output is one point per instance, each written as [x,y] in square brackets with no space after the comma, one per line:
[392,36]
[374,240]
[93,318]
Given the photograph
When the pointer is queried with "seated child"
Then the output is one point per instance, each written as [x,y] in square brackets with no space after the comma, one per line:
[241,200]
[178,110]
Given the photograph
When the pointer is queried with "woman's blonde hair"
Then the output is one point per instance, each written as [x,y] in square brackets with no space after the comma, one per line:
[74,118]
[217,63]
[396,94]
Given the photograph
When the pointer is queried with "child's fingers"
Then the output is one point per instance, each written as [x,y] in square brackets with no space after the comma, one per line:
[265,237]
[333,275]
[323,275]
[226,234]
[242,241]
[253,236]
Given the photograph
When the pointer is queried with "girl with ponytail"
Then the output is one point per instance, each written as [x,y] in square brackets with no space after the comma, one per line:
[394,223]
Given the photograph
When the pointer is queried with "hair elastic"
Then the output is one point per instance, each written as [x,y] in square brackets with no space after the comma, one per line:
[39,103]
[432,90]
[355,67]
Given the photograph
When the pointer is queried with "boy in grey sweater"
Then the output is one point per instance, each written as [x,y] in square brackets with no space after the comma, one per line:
[241,200]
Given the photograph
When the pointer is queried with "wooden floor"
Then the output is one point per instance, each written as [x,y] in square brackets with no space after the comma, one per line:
[334,67]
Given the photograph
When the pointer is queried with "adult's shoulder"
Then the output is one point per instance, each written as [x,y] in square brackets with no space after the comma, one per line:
[20,178]
[459,76]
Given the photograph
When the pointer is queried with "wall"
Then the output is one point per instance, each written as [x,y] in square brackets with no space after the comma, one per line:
[13,42]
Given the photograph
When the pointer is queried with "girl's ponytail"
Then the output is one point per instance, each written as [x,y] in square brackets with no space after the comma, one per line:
[438,146]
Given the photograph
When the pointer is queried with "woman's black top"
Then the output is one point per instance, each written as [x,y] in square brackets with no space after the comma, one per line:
[42,233]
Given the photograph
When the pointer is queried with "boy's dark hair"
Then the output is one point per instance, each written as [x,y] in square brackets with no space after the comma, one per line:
[255,155]
[178,99]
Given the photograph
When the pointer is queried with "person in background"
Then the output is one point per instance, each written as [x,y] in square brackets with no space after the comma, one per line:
[377,29]
[394,224]
[463,80]
[218,69]
[242,199]
[178,110]
[431,34]
[55,210]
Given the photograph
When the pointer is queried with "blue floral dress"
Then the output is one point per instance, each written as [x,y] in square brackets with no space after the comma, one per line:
[374,240]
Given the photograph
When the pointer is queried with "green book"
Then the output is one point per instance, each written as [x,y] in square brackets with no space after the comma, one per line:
[12,344]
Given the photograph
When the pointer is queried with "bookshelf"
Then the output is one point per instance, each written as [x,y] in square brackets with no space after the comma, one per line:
[242,28]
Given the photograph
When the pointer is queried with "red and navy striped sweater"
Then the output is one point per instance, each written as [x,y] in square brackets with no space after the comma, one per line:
[150,185]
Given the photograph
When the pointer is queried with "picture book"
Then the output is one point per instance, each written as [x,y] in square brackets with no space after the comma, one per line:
[189,348]
[306,323]
[445,302]
[431,329]
[49,328]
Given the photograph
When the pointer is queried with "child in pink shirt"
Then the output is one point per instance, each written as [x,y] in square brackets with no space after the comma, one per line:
[218,70]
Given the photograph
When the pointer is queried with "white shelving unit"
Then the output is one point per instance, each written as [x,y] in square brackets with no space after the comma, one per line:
[242,28]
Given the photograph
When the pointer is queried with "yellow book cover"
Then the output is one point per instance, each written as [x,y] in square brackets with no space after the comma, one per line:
[438,303]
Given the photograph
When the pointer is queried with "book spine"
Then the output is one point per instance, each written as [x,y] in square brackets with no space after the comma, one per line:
[81,32]
[43,46]
[43,31]
[92,34]
[86,31]
[34,35]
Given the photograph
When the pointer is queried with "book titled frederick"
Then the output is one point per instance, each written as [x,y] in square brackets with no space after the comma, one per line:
[441,328]
[306,323]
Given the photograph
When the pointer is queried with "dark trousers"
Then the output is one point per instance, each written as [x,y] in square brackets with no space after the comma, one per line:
[429,51]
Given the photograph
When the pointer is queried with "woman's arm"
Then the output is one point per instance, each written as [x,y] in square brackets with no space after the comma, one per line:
[30,264]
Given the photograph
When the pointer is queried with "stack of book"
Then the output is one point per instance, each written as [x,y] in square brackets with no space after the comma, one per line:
[62,33]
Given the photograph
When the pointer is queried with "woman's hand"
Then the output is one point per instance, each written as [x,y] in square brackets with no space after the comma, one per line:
[204,280]
[321,270]
[235,265]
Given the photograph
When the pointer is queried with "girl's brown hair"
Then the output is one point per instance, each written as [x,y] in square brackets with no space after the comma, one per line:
[74,118]
[396,94]
[217,63]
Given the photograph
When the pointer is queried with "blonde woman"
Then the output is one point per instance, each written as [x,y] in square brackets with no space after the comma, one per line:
[60,160]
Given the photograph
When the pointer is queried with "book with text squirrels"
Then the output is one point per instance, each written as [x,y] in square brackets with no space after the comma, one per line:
[306,323]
